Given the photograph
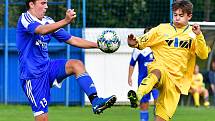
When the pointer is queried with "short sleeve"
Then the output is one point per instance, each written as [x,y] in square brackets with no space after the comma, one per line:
[29,24]
[61,35]
[134,57]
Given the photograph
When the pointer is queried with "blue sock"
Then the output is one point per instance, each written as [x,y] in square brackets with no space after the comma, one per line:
[144,115]
[86,83]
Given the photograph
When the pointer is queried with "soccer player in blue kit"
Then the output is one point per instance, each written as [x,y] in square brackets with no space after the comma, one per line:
[38,73]
[143,57]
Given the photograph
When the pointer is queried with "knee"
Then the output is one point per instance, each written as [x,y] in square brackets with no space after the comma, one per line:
[75,66]
[157,73]
[144,106]
[42,117]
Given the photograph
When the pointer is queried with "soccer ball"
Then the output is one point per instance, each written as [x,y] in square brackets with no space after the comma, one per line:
[108,41]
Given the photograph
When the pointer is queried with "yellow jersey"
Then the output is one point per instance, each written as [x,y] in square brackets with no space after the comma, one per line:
[175,49]
[197,81]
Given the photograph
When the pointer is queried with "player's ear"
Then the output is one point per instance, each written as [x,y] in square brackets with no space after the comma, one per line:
[31,4]
[190,16]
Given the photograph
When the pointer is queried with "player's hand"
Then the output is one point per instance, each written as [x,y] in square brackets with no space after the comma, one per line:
[70,15]
[130,82]
[196,29]
[213,88]
[131,40]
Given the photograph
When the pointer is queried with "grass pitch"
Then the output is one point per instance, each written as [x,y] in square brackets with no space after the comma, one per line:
[116,113]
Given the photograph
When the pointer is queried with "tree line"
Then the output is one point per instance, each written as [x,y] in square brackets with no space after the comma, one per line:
[113,13]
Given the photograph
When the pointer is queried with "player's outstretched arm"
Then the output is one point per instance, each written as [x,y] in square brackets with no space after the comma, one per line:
[49,28]
[79,42]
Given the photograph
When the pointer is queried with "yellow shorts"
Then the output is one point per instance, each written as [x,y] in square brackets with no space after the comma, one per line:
[169,96]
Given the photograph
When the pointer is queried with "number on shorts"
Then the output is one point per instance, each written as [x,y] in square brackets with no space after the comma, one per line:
[43,102]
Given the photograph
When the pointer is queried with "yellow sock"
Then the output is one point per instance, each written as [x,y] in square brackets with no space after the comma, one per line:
[196,98]
[146,85]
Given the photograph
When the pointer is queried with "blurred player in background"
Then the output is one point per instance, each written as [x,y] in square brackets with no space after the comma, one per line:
[38,73]
[174,46]
[143,57]
[198,88]
[212,79]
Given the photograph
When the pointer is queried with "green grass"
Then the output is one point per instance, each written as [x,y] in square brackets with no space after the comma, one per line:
[116,113]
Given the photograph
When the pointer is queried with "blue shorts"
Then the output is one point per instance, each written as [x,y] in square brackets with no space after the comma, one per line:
[38,90]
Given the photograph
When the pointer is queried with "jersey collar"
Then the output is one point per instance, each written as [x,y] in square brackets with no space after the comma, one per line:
[185,28]
[36,19]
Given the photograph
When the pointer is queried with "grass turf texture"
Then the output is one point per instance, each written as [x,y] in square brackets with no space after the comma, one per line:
[116,113]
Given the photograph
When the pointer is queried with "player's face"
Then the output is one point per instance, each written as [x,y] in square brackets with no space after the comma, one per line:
[180,19]
[39,8]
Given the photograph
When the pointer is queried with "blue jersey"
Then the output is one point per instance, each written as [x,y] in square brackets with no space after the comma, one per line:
[144,57]
[33,48]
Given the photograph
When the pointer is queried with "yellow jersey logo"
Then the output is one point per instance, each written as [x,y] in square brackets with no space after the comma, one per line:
[179,43]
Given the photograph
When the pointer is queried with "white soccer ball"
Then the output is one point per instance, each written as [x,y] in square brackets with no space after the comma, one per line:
[108,41]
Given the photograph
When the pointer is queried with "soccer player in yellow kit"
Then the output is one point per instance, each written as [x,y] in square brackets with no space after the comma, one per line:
[197,88]
[175,46]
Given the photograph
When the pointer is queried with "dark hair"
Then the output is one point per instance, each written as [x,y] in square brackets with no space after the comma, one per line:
[147,29]
[27,3]
[185,5]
